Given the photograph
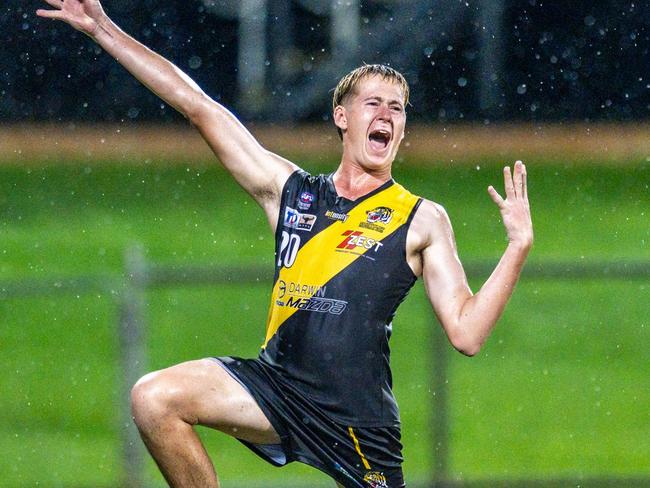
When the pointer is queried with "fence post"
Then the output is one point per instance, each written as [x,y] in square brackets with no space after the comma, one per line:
[491,56]
[132,362]
[252,53]
[345,32]
[440,408]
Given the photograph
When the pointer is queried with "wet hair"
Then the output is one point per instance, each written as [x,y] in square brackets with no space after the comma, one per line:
[347,86]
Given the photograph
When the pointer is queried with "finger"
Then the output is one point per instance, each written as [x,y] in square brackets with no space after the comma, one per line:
[55,3]
[507,182]
[517,179]
[50,14]
[524,182]
[496,198]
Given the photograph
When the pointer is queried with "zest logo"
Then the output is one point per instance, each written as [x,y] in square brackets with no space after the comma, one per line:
[355,238]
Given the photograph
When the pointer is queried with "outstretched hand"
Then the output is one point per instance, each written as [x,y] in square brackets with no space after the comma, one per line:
[83,15]
[515,210]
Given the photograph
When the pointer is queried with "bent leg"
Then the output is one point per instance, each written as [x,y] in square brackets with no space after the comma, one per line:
[167,404]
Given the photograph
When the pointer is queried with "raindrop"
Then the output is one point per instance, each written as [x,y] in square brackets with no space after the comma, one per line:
[521,89]
[195,62]
[462,81]
[590,20]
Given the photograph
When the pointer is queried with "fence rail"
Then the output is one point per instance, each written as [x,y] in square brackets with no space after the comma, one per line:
[129,289]
[161,276]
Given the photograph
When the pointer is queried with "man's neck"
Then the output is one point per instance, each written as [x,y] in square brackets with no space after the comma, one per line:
[352,181]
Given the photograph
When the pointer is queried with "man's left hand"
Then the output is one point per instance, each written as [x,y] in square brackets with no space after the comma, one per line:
[515,209]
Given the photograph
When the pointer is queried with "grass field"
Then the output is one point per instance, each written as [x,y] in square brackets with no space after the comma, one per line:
[561,388]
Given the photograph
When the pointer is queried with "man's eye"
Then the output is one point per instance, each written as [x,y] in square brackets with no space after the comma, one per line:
[396,108]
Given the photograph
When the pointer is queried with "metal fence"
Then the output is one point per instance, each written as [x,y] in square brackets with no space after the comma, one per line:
[140,276]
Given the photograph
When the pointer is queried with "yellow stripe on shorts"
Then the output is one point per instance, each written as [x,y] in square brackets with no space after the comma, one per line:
[365,462]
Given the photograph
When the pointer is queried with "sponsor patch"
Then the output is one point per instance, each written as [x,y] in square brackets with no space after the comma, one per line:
[300,289]
[330,214]
[305,200]
[299,221]
[315,304]
[355,239]
[304,296]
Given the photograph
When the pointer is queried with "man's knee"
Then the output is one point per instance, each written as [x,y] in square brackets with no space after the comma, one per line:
[169,392]
[152,398]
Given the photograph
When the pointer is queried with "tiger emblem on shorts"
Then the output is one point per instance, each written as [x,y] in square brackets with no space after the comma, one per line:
[375,479]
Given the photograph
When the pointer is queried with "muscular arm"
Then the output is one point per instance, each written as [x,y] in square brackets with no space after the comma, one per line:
[261,173]
[469,318]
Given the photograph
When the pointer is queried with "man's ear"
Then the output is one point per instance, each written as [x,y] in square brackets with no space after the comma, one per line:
[340,117]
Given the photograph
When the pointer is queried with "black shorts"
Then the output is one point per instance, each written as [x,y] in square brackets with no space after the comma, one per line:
[356,457]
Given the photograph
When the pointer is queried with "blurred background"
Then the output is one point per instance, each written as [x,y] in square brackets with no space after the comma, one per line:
[124,247]
[278,59]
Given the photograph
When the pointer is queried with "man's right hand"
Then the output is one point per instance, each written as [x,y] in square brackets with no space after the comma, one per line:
[84,15]
[261,173]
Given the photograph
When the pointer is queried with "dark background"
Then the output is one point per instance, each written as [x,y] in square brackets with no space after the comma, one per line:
[561,61]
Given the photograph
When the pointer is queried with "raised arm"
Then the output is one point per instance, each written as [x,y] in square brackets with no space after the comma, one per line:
[468,319]
[261,173]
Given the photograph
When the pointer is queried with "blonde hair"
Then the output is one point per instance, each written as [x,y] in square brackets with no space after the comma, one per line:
[347,86]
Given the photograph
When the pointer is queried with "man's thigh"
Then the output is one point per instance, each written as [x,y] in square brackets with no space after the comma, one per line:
[203,392]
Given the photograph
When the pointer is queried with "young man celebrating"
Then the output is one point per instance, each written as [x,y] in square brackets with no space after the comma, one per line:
[349,246]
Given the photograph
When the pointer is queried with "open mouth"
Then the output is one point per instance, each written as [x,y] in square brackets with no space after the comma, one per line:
[379,139]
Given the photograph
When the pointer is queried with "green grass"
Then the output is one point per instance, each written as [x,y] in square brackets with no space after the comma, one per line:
[559,389]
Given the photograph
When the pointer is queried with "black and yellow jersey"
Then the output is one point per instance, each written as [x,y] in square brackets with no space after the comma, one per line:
[340,274]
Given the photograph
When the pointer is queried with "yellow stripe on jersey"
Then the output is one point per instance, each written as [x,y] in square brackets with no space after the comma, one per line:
[322,257]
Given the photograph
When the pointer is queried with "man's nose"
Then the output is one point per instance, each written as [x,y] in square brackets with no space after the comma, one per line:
[384,112]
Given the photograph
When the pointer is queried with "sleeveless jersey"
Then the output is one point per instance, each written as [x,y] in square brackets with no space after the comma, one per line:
[340,274]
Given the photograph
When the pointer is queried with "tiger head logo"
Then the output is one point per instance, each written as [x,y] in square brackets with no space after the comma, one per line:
[380,214]
[375,479]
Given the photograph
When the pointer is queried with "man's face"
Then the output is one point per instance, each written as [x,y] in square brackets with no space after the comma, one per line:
[372,121]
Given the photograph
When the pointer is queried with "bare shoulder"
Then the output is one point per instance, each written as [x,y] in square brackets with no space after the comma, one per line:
[429,222]
[430,225]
